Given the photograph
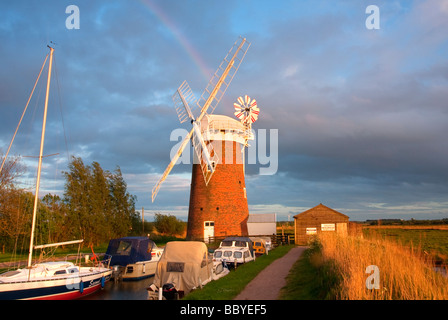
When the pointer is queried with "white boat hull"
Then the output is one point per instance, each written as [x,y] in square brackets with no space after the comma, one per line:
[139,270]
[53,286]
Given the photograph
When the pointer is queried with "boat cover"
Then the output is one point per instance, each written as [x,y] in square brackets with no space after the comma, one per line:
[129,250]
[185,264]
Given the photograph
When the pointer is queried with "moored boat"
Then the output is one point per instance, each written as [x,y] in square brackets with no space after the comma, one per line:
[56,280]
[133,258]
[183,267]
[235,251]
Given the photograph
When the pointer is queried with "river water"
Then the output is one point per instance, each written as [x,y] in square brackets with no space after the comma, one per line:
[122,290]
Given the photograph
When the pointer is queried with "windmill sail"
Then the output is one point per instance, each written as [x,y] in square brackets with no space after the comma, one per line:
[205,154]
[233,59]
[168,169]
[246,110]
[208,159]
[184,100]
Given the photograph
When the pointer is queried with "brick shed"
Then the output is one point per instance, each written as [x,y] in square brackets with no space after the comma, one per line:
[319,219]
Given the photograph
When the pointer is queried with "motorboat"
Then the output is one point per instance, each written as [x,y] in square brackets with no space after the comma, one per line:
[260,246]
[183,267]
[235,251]
[133,258]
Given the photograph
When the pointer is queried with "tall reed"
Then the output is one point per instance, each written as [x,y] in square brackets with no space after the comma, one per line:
[403,272]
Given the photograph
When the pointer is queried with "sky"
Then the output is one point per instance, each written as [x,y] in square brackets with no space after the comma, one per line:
[355,117]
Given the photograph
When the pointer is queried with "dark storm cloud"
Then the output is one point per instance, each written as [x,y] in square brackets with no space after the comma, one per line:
[361,114]
[359,110]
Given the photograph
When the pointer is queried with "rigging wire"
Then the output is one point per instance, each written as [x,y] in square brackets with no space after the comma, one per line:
[23,114]
[61,107]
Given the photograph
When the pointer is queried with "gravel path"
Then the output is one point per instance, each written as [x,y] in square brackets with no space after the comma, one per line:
[267,284]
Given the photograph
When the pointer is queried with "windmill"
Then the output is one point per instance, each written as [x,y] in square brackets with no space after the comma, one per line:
[218,205]
[184,98]
[246,110]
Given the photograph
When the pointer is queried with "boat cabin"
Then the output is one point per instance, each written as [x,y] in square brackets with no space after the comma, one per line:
[39,271]
[129,250]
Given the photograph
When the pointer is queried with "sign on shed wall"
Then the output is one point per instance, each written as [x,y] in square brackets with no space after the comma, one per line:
[327,227]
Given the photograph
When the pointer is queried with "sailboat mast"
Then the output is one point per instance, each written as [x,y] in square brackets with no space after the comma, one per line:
[36,196]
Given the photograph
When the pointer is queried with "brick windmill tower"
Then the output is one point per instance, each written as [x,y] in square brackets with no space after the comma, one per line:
[218,205]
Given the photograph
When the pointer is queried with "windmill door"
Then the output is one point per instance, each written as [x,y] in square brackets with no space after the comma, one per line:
[209,230]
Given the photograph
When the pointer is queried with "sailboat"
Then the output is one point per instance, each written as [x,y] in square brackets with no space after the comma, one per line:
[55,280]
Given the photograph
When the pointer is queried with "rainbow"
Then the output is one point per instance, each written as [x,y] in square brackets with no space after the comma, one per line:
[180,37]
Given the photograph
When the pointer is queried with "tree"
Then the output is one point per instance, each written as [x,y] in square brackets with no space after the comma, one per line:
[168,224]
[15,209]
[96,207]
[123,213]
[57,218]
[76,197]
[98,202]
[11,169]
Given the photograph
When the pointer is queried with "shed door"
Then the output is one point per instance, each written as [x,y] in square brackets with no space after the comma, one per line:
[341,228]
[209,230]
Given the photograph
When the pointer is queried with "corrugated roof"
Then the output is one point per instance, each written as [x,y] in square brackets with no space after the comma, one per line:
[262,218]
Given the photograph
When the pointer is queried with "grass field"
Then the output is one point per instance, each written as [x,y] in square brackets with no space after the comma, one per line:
[431,240]
[309,278]
[338,266]
[232,284]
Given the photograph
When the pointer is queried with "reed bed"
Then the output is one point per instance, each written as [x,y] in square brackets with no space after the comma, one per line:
[404,273]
